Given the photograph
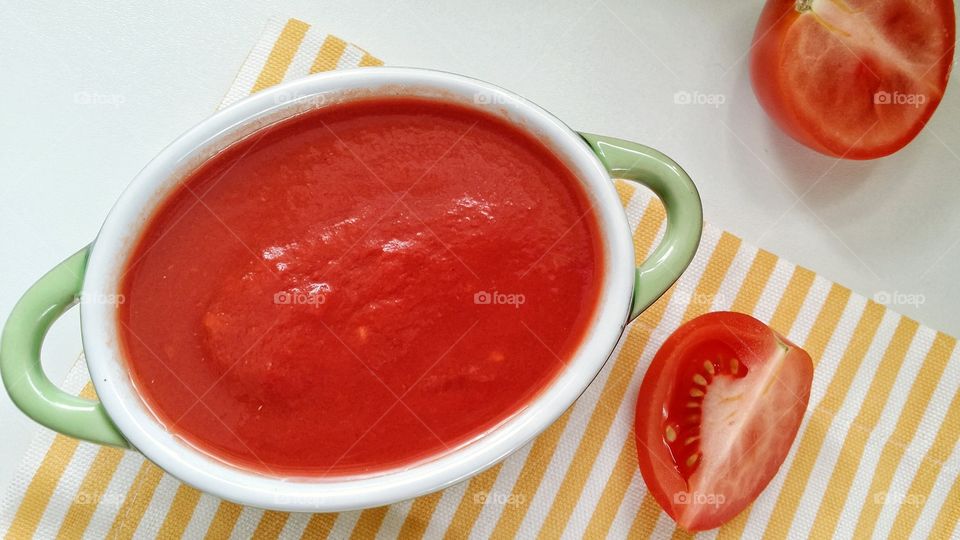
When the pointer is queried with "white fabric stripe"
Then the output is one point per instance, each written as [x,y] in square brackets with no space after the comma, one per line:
[917,449]
[622,426]
[839,426]
[36,451]
[294,527]
[503,488]
[344,524]
[763,506]
[246,523]
[67,489]
[254,63]
[933,504]
[773,291]
[446,508]
[664,526]
[888,418]
[572,436]
[393,520]
[351,57]
[156,511]
[202,516]
[306,54]
[114,496]
[627,512]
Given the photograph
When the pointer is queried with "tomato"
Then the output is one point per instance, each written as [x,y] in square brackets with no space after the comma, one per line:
[853,78]
[717,412]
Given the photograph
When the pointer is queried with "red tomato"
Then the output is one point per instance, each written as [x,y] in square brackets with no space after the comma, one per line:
[853,78]
[717,412]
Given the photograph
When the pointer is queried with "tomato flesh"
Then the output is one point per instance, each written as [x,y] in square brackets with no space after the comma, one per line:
[717,412]
[853,78]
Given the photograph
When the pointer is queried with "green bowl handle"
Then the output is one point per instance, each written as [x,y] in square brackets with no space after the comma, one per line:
[23,376]
[644,165]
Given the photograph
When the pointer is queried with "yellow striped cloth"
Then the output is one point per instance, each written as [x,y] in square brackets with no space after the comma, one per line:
[877,452]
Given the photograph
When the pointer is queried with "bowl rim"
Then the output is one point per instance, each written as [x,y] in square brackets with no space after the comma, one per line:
[122,227]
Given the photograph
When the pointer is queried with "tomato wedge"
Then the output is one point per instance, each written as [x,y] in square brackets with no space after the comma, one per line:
[853,78]
[717,412]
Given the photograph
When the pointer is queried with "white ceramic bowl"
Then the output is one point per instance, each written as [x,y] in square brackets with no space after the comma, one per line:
[109,253]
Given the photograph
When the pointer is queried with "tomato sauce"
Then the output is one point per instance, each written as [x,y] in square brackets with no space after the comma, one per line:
[359,287]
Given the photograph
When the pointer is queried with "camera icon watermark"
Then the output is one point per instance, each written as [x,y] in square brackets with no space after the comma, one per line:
[484,98]
[684,97]
[896,97]
[497,298]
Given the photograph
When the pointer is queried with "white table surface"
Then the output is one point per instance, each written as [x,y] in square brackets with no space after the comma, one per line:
[91,93]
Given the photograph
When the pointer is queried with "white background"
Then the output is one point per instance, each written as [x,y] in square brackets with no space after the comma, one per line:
[607,66]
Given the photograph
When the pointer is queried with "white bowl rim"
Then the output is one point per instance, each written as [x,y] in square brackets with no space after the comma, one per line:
[123,225]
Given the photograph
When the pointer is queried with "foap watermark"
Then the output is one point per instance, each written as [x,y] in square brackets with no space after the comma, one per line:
[100,299]
[897,298]
[500,499]
[684,97]
[497,298]
[483,98]
[696,497]
[882,97]
[96,98]
[96,498]
[314,100]
[891,498]
[299,298]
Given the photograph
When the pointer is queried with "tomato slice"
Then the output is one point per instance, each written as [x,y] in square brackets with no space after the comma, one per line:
[717,412]
[853,78]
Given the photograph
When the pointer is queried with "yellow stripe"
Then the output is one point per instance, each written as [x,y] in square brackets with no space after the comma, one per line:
[369,523]
[138,497]
[863,425]
[792,301]
[812,438]
[180,512]
[41,487]
[92,489]
[680,534]
[418,518]
[646,519]
[929,471]
[329,55]
[531,475]
[469,507]
[281,55]
[816,343]
[271,523]
[907,425]
[534,469]
[625,191]
[319,526]
[369,61]
[756,281]
[946,522]
[224,520]
[614,491]
[44,481]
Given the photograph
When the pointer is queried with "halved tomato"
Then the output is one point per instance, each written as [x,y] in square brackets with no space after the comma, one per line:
[717,412]
[853,78]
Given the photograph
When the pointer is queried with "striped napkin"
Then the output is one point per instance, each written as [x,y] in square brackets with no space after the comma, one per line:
[876,454]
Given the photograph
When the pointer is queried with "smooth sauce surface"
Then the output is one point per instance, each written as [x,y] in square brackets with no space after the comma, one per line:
[360,287]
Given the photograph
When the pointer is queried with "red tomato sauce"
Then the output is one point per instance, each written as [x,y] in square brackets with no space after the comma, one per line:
[359,288]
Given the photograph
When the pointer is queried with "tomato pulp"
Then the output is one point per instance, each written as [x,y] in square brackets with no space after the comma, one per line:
[360,287]
[853,78]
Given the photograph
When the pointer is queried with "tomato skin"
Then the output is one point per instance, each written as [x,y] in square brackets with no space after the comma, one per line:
[724,484]
[781,99]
